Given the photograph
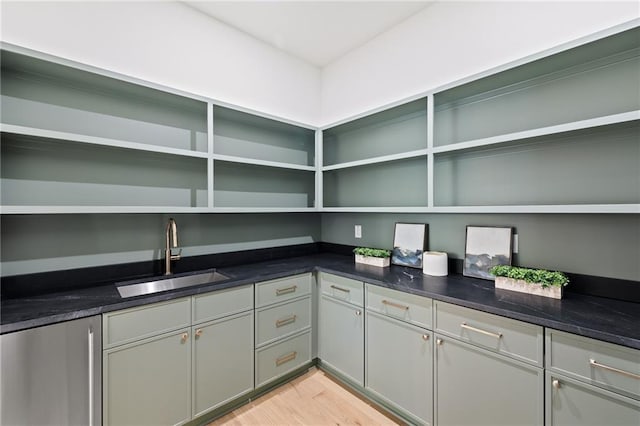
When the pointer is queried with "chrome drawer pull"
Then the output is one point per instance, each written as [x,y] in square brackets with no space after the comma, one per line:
[346,290]
[286,290]
[395,305]
[477,330]
[286,358]
[594,363]
[285,321]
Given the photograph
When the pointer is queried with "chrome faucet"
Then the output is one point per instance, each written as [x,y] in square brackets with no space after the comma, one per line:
[172,242]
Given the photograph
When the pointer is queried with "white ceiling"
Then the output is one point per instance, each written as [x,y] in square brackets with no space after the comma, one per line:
[318,32]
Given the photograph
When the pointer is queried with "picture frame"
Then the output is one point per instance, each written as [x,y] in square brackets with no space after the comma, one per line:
[409,244]
[485,247]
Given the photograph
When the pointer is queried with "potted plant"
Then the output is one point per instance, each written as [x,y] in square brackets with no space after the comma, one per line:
[527,280]
[372,256]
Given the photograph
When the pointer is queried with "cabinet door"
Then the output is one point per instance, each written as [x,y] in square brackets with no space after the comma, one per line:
[149,382]
[222,361]
[341,338]
[399,359]
[477,387]
[570,402]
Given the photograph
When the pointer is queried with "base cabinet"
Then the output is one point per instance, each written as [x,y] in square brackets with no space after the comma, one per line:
[149,382]
[222,361]
[399,359]
[341,338]
[572,403]
[476,387]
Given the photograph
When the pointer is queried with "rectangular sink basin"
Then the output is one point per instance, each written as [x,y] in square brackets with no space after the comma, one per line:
[169,283]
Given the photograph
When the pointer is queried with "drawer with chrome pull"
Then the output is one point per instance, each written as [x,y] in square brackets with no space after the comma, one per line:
[346,289]
[603,364]
[416,310]
[273,361]
[282,320]
[517,339]
[280,290]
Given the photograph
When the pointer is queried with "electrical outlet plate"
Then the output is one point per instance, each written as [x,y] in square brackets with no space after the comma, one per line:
[358,231]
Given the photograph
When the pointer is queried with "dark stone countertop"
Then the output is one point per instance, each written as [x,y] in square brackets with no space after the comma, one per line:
[600,318]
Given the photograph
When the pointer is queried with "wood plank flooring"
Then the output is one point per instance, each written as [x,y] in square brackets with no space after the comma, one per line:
[311,399]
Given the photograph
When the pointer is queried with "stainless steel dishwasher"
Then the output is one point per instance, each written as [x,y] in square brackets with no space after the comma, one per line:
[52,375]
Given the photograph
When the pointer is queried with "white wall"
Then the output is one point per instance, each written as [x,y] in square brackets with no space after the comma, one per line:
[170,44]
[451,40]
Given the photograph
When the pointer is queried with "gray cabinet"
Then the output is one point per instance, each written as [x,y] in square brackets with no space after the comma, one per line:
[474,386]
[283,337]
[589,382]
[399,359]
[341,327]
[222,361]
[570,402]
[488,369]
[149,382]
[167,363]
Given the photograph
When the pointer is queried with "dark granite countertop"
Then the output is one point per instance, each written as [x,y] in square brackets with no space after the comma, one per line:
[600,318]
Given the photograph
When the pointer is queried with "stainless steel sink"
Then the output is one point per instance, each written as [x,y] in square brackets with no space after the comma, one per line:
[157,285]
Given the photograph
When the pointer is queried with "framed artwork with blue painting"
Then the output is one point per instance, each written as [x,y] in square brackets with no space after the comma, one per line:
[409,243]
[486,247]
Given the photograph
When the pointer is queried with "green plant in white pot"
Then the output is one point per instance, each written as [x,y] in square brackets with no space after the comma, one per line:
[528,280]
[372,256]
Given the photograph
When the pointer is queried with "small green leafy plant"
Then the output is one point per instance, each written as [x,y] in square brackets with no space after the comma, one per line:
[541,276]
[372,252]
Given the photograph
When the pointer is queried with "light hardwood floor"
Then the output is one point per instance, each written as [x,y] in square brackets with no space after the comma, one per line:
[311,399]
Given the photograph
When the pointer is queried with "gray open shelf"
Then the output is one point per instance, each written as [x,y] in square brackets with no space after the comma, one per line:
[396,183]
[46,95]
[45,172]
[252,186]
[393,131]
[592,166]
[593,80]
[244,135]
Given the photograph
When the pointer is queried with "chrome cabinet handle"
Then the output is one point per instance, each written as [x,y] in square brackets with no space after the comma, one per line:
[184,337]
[358,312]
[395,305]
[439,342]
[556,384]
[286,290]
[425,337]
[198,333]
[90,344]
[285,321]
[286,358]
[478,330]
[594,363]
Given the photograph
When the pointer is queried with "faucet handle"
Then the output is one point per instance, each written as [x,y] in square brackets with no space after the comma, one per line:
[175,256]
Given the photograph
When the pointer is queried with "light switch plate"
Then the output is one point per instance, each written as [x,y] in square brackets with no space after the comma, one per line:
[358,231]
[515,243]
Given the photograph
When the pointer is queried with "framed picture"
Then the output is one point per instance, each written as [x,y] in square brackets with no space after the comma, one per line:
[485,247]
[409,243]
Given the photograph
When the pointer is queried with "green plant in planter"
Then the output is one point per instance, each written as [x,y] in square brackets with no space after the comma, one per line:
[372,252]
[541,276]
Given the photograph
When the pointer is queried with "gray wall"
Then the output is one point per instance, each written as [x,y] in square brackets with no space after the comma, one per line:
[592,244]
[38,243]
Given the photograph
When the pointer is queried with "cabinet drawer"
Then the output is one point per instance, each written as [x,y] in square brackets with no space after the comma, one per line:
[274,291]
[599,363]
[510,337]
[407,307]
[341,288]
[138,323]
[277,321]
[278,359]
[222,303]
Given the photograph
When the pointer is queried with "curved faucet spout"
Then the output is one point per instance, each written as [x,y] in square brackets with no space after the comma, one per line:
[171,235]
